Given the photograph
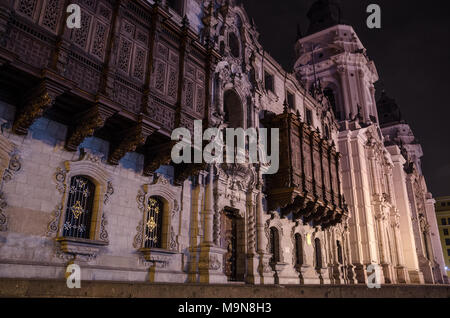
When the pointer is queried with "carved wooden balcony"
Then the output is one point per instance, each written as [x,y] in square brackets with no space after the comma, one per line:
[130,72]
[307,184]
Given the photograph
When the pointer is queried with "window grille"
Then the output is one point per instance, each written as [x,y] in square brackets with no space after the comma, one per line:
[153,225]
[79,208]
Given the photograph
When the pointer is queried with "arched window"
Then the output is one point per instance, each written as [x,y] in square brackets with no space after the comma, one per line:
[318,252]
[153,223]
[274,245]
[327,132]
[329,94]
[79,210]
[233,43]
[234,116]
[339,252]
[298,249]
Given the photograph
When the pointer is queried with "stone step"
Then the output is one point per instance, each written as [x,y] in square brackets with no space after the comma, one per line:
[58,288]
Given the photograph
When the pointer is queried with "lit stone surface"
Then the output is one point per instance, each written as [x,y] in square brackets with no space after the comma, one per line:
[215,226]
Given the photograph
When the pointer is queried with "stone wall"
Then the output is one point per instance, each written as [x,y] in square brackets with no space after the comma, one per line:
[28,250]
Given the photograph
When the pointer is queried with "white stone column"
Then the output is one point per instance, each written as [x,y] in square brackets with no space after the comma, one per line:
[260,241]
[264,269]
[211,266]
[424,262]
[400,268]
[435,241]
[357,191]
[347,255]
[208,228]
[408,244]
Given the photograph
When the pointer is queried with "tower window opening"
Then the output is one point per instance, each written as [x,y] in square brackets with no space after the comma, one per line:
[309,117]
[329,94]
[176,5]
[269,82]
[291,100]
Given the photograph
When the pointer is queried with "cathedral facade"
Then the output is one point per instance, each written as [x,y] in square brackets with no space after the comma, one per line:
[87,175]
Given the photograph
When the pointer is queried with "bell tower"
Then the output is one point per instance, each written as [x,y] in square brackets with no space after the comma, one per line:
[332,59]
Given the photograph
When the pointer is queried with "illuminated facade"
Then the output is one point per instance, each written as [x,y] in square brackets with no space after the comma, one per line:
[443,220]
[87,115]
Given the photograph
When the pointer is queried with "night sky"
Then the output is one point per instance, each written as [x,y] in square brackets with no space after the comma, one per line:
[411,52]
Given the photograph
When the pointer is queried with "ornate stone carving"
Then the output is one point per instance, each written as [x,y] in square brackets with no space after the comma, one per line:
[173,246]
[109,192]
[128,141]
[160,187]
[60,177]
[3,218]
[9,165]
[138,238]
[214,262]
[156,157]
[14,167]
[103,232]
[53,226]
[156,260]
[41,99]
[264,267]
[86,125]
[79,248]
[89,165]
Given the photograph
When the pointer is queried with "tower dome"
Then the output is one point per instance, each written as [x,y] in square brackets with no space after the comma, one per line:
[324,14]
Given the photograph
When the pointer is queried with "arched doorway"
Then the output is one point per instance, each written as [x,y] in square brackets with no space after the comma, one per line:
[234,115]
[233,240]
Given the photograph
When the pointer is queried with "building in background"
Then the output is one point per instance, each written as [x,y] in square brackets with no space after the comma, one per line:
[87,177]
[443,220]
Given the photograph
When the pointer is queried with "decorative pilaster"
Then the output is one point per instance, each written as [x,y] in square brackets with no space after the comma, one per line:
[383,246]
[400,268]
[209,210]
[440,272]
[253,276]
[349,274]
[264,268]
[211,267]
